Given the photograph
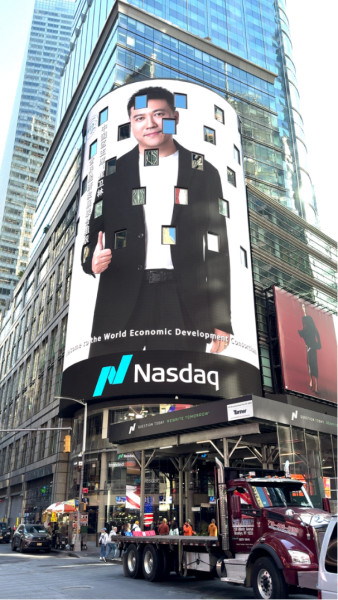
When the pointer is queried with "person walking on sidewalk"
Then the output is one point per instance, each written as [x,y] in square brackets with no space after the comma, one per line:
[103,541]
[163,528]
[111,545]
[212,529]
[187,528]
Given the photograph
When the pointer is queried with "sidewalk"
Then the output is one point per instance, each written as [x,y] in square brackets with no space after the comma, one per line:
[93,551]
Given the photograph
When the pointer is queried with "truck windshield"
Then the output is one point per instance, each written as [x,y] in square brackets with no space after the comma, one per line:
[289,494]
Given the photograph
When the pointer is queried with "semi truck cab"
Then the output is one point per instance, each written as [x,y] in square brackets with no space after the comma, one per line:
[269,531]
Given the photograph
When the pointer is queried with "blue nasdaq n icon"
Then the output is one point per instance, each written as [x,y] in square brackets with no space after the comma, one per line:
[112,375]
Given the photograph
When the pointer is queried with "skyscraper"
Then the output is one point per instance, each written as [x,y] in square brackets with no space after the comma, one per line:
[241,50]
[222,34]
[47,47]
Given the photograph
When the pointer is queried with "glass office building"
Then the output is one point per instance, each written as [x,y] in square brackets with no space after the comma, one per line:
[35,126]
[241,50]
[112,43]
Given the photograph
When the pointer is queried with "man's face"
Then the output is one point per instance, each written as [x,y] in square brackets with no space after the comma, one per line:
[146,125]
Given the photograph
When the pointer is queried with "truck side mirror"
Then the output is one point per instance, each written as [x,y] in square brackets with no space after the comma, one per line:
[326,505]
[236,507]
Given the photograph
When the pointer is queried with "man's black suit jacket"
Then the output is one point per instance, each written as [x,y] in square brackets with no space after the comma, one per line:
[202,275]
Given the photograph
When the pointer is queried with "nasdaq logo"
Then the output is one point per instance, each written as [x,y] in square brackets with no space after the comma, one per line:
[111,375]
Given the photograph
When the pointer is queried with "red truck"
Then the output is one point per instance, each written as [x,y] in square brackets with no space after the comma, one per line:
[269,538]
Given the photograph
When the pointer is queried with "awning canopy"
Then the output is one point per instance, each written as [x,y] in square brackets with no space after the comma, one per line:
[68,506]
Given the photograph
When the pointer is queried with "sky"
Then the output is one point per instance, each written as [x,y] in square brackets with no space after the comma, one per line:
[315,53]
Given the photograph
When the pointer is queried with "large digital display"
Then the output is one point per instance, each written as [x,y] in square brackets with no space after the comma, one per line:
[308,346]
[162,296]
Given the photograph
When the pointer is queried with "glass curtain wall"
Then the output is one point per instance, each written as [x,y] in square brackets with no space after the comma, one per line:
[311,457]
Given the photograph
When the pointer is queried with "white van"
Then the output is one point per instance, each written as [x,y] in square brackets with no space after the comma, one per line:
[327,571]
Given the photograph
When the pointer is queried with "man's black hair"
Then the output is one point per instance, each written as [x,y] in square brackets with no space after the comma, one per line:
[153,93]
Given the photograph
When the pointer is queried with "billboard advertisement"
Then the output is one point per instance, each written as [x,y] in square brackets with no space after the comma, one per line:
[308,346]
[162,297]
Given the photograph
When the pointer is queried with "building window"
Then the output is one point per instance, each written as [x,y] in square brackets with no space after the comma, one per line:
[213,242]
[98,209]
[197,161]
[93,149]
[84,185]
[237,155]
[231,176]
[219,114]
[180,101]
[224,207]
[141,102]
[123,132]
[244,257]
[120,239]
[209,135]
[111,166]
[103,116]
[169,126]
[168,235]
[138,196]
[181,196]
[151,158]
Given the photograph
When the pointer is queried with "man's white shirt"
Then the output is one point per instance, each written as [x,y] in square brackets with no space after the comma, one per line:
[160,182]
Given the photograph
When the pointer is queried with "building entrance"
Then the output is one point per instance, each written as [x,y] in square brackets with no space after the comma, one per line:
[175,454]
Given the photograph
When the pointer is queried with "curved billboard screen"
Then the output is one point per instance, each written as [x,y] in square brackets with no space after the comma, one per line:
[162,297]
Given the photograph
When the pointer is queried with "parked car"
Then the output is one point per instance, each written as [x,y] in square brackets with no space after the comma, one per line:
[327,570]
[5,533]
[31,537]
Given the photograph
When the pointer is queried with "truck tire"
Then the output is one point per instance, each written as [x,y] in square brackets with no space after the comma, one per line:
[267,580]
[152,563]
[132,562]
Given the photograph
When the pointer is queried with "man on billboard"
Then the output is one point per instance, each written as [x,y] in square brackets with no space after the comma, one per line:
[158,241]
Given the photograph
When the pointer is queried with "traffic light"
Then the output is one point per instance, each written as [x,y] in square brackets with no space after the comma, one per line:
[66,442]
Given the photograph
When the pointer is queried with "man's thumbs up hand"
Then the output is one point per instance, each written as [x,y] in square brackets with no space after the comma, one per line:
[101,257]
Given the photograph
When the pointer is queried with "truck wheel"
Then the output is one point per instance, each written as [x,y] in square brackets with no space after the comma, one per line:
[267,580]
[132,563]
[152,563]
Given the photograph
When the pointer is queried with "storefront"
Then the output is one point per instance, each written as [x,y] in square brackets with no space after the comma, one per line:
[175,455]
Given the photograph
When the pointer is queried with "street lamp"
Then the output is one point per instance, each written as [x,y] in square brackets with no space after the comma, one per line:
[77,543]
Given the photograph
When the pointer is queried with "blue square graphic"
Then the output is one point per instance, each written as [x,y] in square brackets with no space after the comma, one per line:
[180,101]
[140,102]
[169,126]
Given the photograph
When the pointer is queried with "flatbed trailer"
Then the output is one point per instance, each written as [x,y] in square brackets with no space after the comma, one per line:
[154,556]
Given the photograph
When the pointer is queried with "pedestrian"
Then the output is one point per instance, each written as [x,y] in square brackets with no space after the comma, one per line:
[103,540]
[174,528]
[163,528]
[127,530]
[122,528]
[212,529]
[187,528]
[111,545]
[136,526]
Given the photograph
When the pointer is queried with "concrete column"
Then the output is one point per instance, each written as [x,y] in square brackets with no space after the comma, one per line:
[226,452]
